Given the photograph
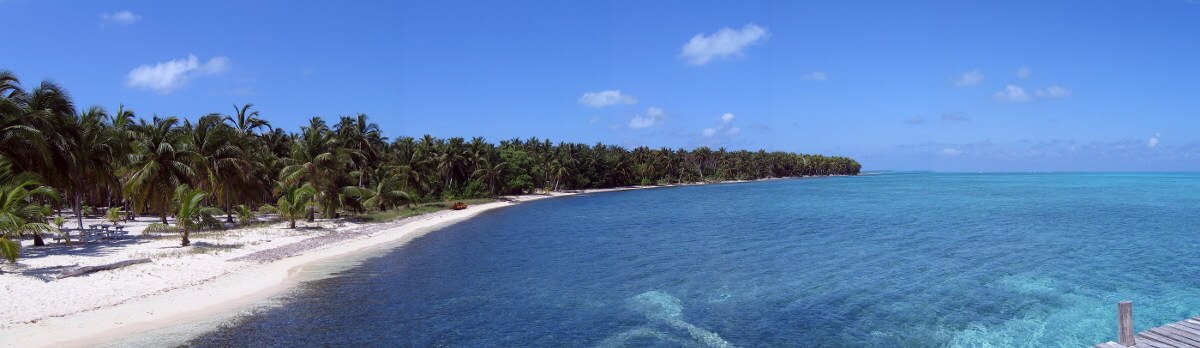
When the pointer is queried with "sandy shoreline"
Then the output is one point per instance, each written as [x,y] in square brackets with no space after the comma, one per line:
[175,289]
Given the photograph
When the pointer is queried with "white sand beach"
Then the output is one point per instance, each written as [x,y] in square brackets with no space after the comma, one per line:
[221,272]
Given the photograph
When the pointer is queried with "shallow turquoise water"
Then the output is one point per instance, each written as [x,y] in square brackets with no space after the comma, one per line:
[904,259]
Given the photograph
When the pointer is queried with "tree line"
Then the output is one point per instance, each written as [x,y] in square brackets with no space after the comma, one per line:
[54,155]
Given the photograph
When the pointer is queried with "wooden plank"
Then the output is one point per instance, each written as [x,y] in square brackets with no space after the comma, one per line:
[1185,327]
[1155,336]
[1147,342]
[1169,333]
[1179,335]
[1190,324]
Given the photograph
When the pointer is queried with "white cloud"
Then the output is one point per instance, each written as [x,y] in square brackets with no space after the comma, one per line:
[1024,72]
[725,43]
[167,76]
[725,127]
[1153,142]
[654,116]
[122,18]
[950,151]
[605,98]
[1012,93]
[816,76]
[1054,91]
[970,78]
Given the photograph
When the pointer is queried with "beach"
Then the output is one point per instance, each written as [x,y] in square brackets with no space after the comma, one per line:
[222,272]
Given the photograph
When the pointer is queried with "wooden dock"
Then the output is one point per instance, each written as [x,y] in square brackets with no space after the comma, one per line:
[1185,333]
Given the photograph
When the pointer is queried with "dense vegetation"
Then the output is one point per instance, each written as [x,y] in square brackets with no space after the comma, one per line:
[53,154]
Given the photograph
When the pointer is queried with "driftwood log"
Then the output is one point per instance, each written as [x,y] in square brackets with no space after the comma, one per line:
[92,269]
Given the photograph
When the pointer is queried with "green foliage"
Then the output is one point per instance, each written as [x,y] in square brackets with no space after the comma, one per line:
[191,213]
[235,161]
[245,215]
[293,201]
[113,215]
[9,249]
[19,214]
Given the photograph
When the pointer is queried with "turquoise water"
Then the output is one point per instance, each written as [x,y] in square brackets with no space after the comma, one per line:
[903,259]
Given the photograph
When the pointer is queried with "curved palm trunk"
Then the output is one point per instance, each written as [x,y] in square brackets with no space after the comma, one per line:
[186,241]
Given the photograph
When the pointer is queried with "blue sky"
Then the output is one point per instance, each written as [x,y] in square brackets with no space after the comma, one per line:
[950,86]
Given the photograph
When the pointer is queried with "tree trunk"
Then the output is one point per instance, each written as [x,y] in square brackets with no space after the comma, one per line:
[37,239]
[78,209]
[185,237]
[292,223]
[312,214]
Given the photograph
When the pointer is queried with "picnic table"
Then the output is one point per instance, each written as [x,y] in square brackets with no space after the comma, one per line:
[94,231]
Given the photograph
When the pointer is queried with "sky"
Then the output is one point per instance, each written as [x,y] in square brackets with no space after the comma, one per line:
[898,85]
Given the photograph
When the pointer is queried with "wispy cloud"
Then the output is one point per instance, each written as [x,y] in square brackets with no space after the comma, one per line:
[605,98]
[654,117]
[725,43]
[121,18]
[1153,142]
[955,117]
[950,151]
[1024,72]
[1054,91]
[816,76]
[970,78]
[167,76]
[1012,93]
[914,120]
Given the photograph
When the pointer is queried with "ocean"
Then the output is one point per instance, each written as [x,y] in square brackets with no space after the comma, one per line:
[878,260]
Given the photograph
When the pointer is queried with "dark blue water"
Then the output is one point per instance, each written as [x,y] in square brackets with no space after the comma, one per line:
[889,260]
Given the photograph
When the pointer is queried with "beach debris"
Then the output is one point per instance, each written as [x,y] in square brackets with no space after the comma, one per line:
[458,206]
[92,269]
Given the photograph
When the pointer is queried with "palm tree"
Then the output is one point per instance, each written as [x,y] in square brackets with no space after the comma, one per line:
[490,172]
[19,211]
[246,121]
[223,167]
[319,159]
[92,153]
[159,164]
[384,191]
[190,211]
[293,201]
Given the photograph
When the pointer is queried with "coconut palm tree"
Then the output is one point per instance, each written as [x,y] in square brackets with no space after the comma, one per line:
[161,161]
[293,201]
[91,157]
[222,166]
[190,211]
[20,213]
[384,191]
[318,159]
[244,120]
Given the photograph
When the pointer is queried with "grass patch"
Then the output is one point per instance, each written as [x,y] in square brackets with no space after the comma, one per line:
[419,209]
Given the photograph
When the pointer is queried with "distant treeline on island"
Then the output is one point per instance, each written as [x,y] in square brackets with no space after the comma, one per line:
[97,157]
